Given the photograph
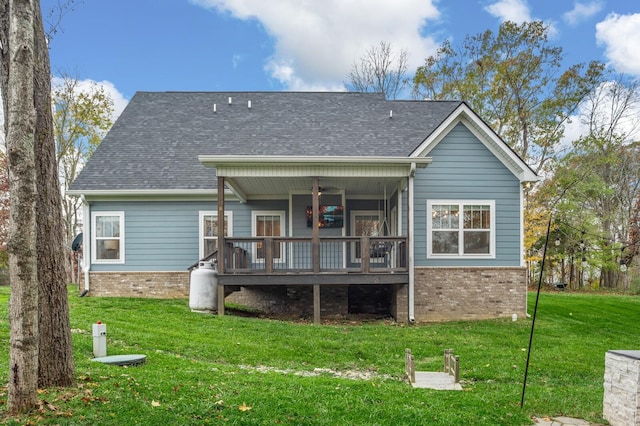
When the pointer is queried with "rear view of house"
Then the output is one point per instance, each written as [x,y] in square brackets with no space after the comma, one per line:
[317,204]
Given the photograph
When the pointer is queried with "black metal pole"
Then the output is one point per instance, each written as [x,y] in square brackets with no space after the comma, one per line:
[535,309]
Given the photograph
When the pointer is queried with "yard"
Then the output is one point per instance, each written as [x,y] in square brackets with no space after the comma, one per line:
[204,369]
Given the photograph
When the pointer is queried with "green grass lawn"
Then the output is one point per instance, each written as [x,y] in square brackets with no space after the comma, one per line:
[205,369]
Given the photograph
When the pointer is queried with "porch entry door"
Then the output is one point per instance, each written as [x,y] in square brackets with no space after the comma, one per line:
[269,224]
[364,223]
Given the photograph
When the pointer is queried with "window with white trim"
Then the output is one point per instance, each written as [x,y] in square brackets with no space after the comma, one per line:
[461,229]
[107,242]
[268,224]
[209,230]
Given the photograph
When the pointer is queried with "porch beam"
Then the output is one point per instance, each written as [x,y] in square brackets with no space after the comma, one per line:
[299,279]
[237,191]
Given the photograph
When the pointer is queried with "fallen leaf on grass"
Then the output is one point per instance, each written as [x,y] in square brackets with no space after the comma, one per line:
[245,407]
[44,404]
[155,404]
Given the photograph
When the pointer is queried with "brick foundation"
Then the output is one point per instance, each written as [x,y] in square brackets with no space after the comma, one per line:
[447,294]
[441,294]
[160,285]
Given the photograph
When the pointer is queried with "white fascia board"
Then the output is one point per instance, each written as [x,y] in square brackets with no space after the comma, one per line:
[292,167]
[147,194]
[275,161]
[486,135]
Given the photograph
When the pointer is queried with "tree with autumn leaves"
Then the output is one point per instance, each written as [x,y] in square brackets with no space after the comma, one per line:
[515,79]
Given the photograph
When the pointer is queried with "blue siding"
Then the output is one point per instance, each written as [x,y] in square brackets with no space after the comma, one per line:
[464,169]
[163,235]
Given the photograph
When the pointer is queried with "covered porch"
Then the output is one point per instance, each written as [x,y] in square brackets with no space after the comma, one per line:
[310,257]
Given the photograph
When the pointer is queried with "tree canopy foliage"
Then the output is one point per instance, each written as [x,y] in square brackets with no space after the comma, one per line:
[81,118]
[514,79]
[602,177]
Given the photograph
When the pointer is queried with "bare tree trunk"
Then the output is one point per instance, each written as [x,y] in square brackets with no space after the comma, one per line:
[4,60]
[56,366]
[23,311]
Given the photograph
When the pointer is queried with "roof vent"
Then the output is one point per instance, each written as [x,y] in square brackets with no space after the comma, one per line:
[230,100]
[391,113]
[249,104]
[214,108]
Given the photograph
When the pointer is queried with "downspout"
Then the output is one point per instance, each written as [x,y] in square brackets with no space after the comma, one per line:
[86,243]
[524,194]
[410,250]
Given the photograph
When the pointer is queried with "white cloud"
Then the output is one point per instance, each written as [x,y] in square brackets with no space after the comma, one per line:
[619,35]
[316,42]
[236,60]
[582,11]
[510,10]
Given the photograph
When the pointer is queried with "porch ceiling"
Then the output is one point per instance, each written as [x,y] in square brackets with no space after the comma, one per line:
[282,187]
[255,177]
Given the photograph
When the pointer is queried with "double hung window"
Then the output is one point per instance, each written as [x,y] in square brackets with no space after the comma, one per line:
[209,231]
[107,229]
[461,229]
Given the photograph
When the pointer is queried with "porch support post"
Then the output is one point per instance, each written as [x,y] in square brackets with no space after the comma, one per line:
[316,303]
[315,246]
[315,232]
[221,243]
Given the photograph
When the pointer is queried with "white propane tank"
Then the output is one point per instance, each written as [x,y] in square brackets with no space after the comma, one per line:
[203,290]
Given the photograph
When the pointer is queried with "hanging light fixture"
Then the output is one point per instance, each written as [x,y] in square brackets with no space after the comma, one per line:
[557,241]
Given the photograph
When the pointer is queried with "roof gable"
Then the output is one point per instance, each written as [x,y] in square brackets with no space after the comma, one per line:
[463,114]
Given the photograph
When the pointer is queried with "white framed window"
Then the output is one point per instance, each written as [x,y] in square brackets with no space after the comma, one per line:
[208,230]
[461,228]
[107,242]
[268,224]
[364,223]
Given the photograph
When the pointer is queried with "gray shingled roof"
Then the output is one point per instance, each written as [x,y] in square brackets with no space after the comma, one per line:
[155,143]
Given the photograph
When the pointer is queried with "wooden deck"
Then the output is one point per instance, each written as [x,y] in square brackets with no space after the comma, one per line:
[308,261]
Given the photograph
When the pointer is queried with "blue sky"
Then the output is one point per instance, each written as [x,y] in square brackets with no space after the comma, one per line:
[238,45]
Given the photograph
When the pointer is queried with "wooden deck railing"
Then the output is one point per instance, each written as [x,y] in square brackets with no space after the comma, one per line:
[452,364]
[409,366]
[274,255]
